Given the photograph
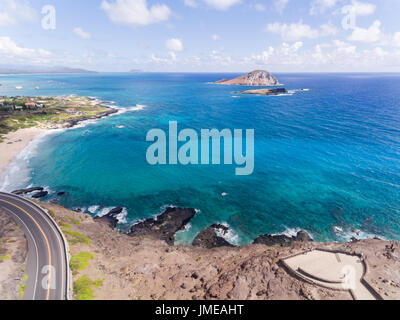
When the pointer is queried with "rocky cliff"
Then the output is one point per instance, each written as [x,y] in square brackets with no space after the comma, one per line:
[254,78]
[144,267]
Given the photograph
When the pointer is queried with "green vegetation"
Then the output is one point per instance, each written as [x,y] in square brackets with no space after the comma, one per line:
[74,237]
[4,257]
[80,261]
[21,290]
[51,214]
[74,221]
[50,111]
[83,288]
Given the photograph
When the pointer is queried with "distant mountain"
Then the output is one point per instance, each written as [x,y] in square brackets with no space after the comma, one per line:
[36,69]
[254,78]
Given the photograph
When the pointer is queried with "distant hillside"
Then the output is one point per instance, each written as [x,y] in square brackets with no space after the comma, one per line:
[38,70]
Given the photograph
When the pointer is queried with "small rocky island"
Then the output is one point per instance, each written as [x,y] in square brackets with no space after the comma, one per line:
[254,78]
[265,92]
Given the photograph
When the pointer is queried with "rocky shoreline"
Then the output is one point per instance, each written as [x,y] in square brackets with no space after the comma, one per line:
[73,123]
[145,266]
[265,92]
[173,220]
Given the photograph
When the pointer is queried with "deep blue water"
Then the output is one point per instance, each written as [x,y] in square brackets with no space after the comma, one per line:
[325,159]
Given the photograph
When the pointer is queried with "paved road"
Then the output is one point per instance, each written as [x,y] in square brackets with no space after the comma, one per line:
[47,266]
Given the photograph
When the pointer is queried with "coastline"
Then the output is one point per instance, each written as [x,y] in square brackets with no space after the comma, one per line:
[14,143]
[161,271]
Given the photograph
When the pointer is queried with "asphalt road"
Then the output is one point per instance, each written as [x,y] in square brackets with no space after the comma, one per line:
[47,266]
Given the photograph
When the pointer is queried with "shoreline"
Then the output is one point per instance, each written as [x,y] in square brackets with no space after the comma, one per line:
[15,142]
[181,272]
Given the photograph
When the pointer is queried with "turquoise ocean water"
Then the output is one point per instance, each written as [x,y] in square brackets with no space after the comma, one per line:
[327,160]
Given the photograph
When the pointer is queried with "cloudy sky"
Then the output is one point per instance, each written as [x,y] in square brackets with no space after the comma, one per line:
[203,35]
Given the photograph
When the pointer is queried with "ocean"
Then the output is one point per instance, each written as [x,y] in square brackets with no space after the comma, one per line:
[327,159]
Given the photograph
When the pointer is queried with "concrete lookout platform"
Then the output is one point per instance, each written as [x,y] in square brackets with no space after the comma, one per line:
[332,270]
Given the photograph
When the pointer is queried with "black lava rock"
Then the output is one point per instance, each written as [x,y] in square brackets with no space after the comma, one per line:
[165,226]
[209,238]
[282,240]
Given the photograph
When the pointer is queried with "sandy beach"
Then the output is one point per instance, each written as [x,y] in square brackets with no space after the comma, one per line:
[14,143]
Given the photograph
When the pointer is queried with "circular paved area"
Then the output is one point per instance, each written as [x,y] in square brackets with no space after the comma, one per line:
[337,271]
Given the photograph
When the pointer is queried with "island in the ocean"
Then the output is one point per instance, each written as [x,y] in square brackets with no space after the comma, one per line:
[265,92]
[254,78]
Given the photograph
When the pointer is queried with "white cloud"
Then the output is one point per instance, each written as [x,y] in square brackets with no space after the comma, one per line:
[328,30]
[81,33]
[280,5]
[333,56]
[372,34]
[259,7]
[396,39]
[219,58]
[262,58]
[297,31]
[320,6]
[215,37]
[13,12]
[285,54]
[191,3]
[222,4]
[362,8]
[9,49]
[135,12]
[174,45]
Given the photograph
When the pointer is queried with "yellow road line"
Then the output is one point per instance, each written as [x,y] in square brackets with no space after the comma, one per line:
[47,243]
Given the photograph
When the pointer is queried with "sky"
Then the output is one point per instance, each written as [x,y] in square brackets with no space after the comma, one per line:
[203,35]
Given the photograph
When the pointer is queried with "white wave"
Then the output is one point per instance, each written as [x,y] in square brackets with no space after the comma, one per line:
[291,232]
[338,229]
[122,110]
[104,211]
[298,90]
[93,209]
[17,174]
[231,236]
[122,217]
[347,236]
[120,127]
[186,228]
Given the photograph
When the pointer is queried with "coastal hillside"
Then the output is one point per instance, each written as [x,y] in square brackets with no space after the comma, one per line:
[13,256]
[109,265]
[254,78]
[47,112]
[9,69]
